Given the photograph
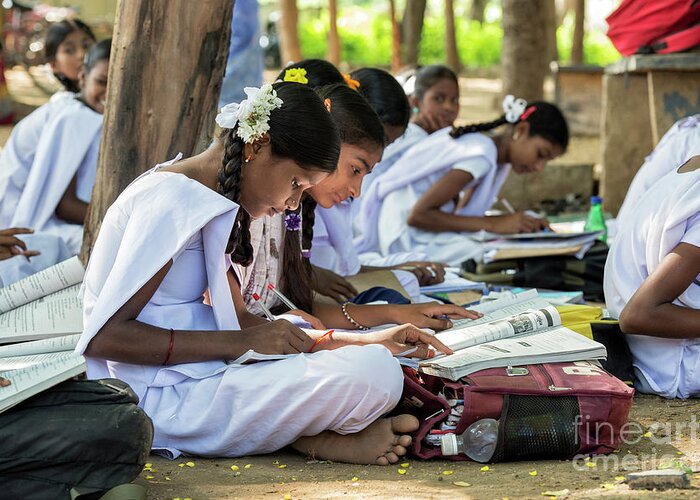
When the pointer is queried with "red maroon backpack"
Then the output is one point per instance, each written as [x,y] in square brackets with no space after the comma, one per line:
[658,26]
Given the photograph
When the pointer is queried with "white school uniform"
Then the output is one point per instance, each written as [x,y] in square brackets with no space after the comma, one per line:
[678,145]
[53,251]
[385,207]
[669,214]
[68,147]
[213,408]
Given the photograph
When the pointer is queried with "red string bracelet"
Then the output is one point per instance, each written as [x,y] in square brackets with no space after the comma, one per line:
[326,336]
[170,348]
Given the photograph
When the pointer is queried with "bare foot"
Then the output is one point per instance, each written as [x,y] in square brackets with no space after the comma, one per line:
[381,443]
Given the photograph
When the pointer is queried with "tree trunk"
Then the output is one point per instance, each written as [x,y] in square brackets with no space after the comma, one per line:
[477,11]
[450,37]
[551,25]
[289,34]
[333,39]
[577,42]
[411,30]
[166,67]
[395,38]
[523,54]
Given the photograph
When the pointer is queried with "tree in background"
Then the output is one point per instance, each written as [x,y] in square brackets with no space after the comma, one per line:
[412,29]
[155,108]
[450,37]
[477,10]
[333,54]
[289,33]
[524,49]
[577,41]
[395,38]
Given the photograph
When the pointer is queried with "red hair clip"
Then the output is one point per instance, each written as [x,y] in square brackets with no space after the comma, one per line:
[528,112]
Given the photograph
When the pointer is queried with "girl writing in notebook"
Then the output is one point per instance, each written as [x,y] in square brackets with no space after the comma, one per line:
[438,193]
[145,320]
[652,283]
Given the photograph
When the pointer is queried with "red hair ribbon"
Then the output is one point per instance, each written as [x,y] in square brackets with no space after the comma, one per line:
[527,113]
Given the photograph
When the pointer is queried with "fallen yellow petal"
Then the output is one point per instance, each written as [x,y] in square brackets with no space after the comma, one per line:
[234,467]
[485,468]
[294,478]
[150,477]
[287,496]
[148,465]
[190,464]
[402,471]
[167,478]
[181,465]
[591,464]
[247,466]
[679,453]
[619,478]
[355,478]
[462,484]
[647,434]
[406,465]
[557,493]
[607,486]
[282,466]
[533,472]
[447,472]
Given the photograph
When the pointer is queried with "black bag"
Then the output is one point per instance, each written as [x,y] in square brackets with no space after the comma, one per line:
[82,435]
[553,272]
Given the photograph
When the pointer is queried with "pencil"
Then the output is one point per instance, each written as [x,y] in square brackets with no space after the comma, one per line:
[281,296]
[508,206]
[267,312]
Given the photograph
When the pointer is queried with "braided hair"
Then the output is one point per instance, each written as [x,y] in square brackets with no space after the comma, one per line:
[55,36]
[319,72]
[312,143]
[545,119]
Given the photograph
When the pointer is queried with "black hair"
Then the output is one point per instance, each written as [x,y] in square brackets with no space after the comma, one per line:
[98,52]
[312,142]
[385,94]
[545,119]
[55,35]
[428,76]
[358,125]
[319,72]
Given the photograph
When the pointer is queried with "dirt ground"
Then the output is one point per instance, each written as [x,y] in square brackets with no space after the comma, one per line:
[668,439]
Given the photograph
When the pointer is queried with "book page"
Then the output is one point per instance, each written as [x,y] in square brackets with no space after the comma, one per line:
[501,308]
[50,280]
[66,343]
[60,313]
[29,375]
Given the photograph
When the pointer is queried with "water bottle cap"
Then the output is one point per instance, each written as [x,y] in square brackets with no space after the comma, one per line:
[448,445]
[596,200]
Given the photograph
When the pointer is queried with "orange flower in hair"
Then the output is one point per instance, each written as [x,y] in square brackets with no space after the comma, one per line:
[327,102]
[353,84]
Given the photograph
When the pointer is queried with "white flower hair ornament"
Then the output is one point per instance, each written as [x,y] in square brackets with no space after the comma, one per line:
[513,108]
[252,114]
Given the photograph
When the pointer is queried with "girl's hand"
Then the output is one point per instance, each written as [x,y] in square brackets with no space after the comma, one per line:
[332,285]
[431,315]
[4,382]
[315,323]
[400,339]
[277,337]
[10,245]
[516,223]
[428,273]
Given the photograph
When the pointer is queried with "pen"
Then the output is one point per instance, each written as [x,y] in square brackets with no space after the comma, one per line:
[508,206]
[281,296]
[266,311]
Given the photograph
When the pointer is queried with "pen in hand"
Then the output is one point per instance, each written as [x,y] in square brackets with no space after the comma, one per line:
[265,310]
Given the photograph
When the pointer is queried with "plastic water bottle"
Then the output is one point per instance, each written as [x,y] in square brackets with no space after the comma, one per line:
[596,220]
[478,442]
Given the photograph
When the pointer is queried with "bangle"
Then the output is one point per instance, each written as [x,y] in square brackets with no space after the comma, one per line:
[326,336]
[354,323]
[170,348]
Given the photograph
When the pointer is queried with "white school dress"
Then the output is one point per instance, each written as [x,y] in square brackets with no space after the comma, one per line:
[68,148]
[213,408]
[18,155]
[386,205]
[333,249]
[678,145]
[53,251]
[668,214]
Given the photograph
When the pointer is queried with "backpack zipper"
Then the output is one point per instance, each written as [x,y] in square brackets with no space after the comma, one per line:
[552,386]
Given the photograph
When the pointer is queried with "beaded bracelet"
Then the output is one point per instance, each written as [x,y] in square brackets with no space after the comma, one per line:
[170,348]
[354,323]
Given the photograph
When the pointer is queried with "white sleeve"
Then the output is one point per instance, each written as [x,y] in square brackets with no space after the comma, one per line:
[478,166]
[692,231]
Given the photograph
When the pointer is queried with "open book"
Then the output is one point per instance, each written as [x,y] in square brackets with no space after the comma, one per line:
[32,367]
[43,305]
[517,330]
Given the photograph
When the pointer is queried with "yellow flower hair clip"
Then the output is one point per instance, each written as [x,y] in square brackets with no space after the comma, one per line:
[296,75]
[353,84]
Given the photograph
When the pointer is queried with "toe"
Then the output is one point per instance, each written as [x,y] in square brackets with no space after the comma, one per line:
[403,424]
[405,440]
[399,450]
[382,461]
[392,457]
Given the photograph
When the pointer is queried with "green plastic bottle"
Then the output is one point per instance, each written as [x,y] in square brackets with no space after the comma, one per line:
[596,220]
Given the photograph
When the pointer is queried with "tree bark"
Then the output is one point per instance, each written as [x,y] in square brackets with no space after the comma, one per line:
[523,53]
[476,12]
[450,37]
[333,38]
[579,27]
[290,49]
[395,38]
[551,25]
[166,67]
[412,29]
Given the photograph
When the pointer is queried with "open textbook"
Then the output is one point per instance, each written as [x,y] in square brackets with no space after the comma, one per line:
[517,330]
[32,367]
[43,305]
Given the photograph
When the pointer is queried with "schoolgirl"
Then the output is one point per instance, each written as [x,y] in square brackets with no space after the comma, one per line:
[65,47]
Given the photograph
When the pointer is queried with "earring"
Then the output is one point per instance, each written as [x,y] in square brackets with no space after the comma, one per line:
[515,136]
[415,110]
[248,158]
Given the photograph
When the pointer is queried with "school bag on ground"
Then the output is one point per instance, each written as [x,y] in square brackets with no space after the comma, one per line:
[77,439]
[544,411]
